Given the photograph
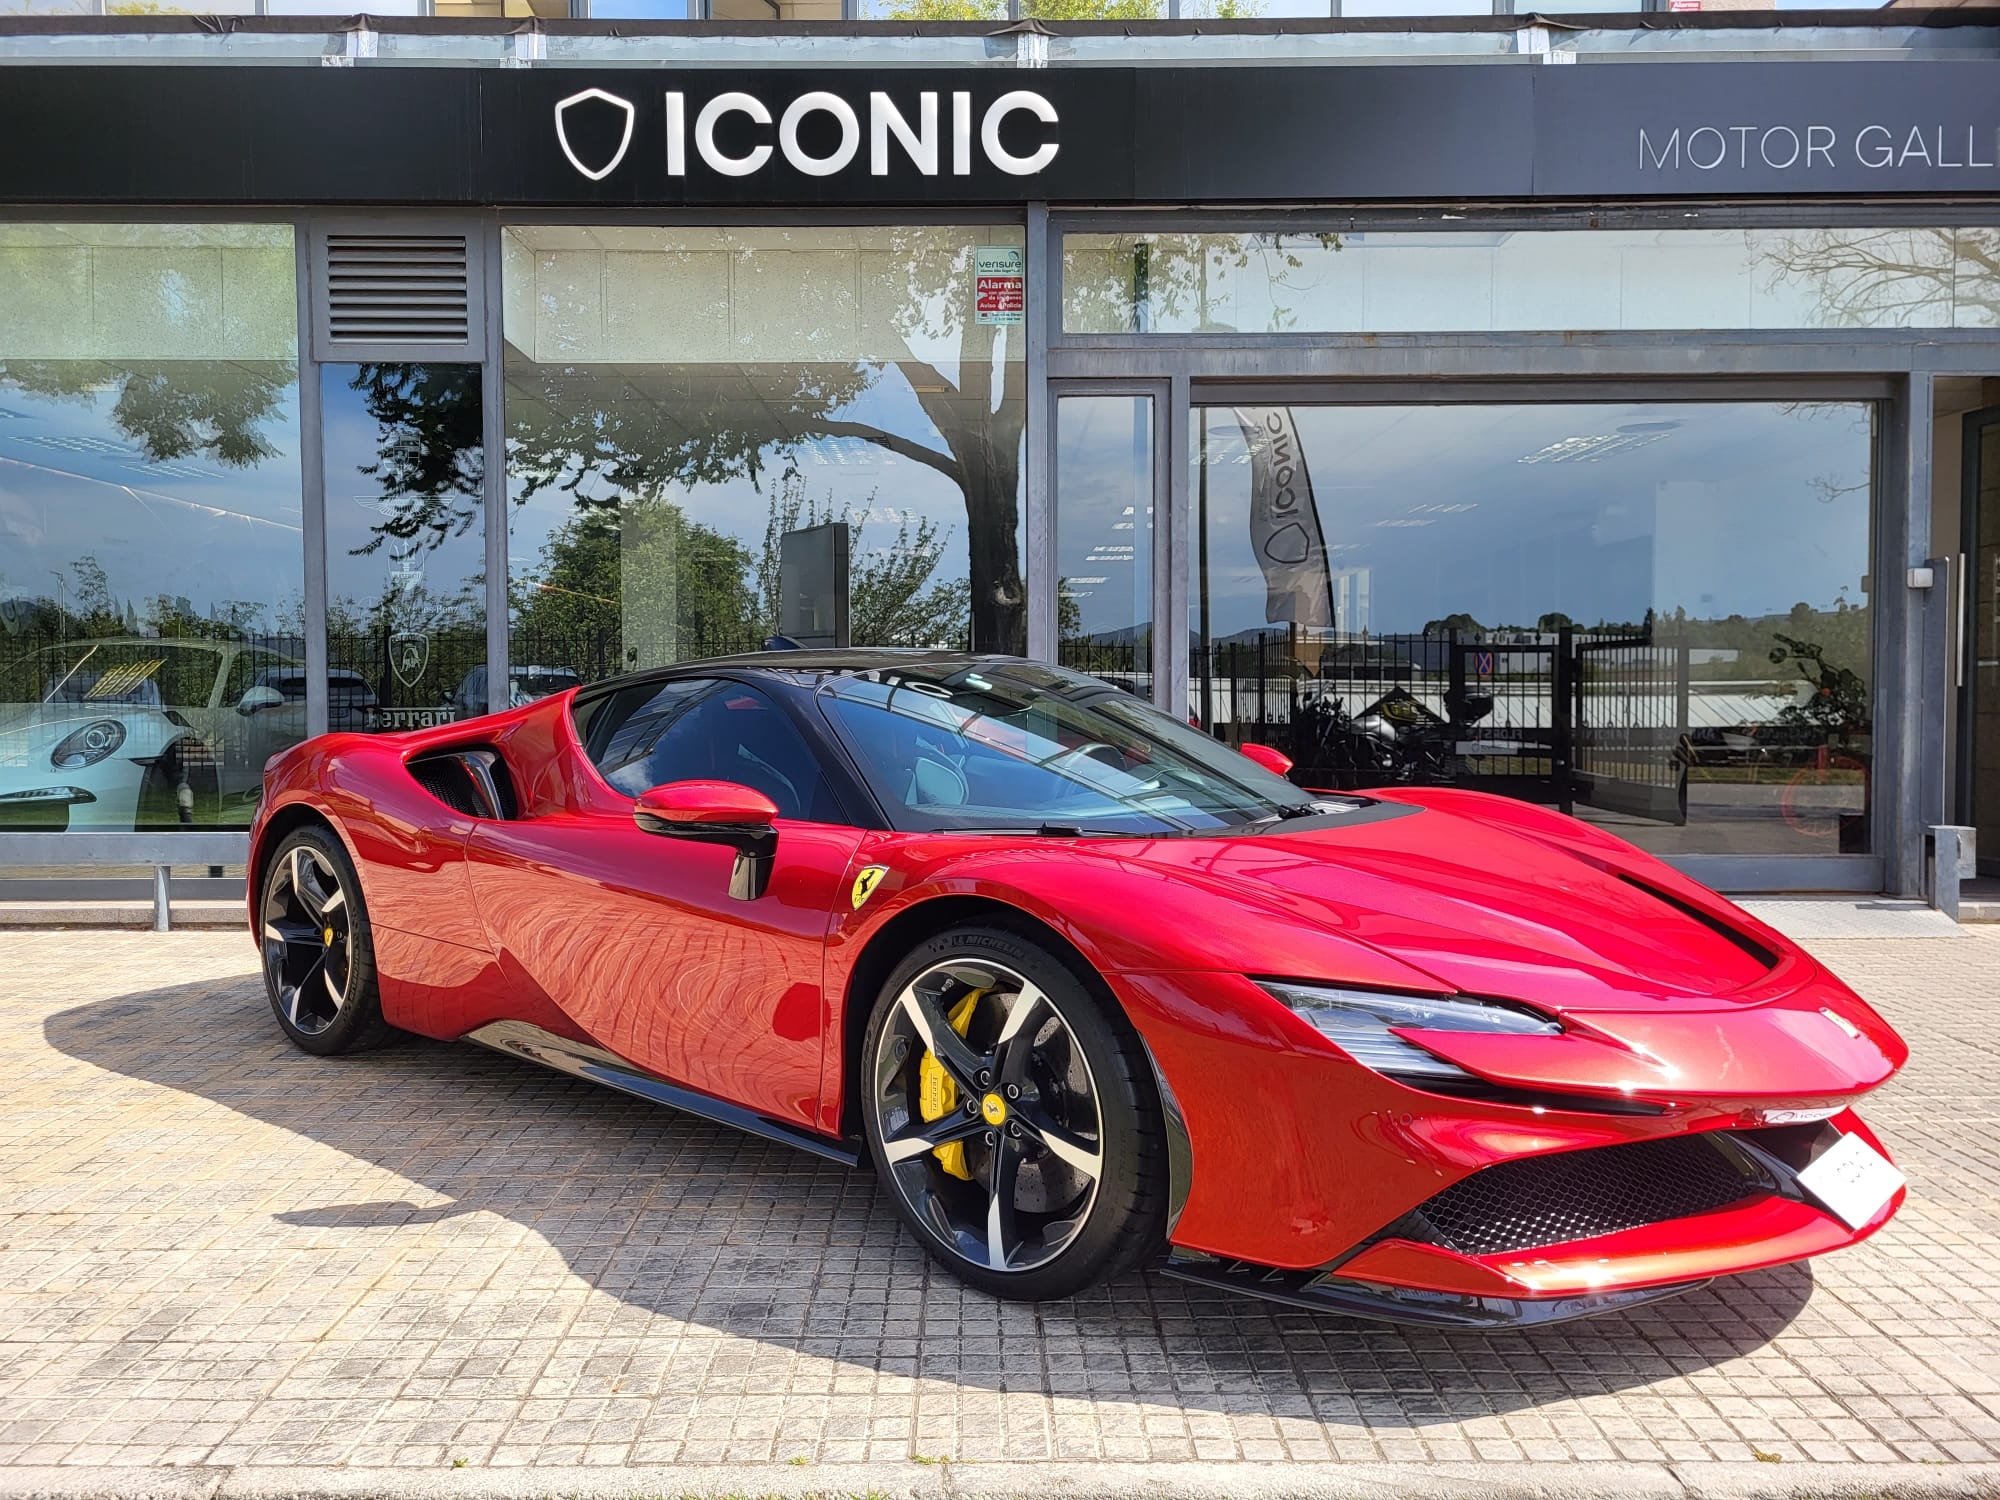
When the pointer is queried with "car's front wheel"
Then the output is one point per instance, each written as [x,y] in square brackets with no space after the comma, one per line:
[319,954]
[1012,1116]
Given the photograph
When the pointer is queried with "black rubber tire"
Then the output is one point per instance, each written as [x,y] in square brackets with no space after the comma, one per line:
[359,1027]
[1127,1221]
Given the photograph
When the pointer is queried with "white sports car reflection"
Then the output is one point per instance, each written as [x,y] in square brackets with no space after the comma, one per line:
[126,732]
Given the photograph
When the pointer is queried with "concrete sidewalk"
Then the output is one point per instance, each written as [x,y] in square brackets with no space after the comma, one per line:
[227,1268]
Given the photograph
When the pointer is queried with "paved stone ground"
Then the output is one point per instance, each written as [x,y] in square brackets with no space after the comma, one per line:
[220,1254]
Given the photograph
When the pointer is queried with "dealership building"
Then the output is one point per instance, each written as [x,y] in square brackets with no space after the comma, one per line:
[1597,408]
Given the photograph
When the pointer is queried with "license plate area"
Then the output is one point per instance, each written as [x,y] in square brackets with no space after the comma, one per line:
[1851,1180]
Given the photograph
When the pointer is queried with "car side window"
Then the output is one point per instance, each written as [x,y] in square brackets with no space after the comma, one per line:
[710,730]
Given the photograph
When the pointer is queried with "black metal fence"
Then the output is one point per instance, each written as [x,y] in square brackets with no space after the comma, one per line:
[1556,716]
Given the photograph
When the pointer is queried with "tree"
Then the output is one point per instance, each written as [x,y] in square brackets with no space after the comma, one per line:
[1463,623]
[637,586]
[606,440]
[1892,277]
[175,408]
[1837,706]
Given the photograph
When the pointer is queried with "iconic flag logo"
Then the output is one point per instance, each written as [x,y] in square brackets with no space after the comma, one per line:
[1284,521]
[598,96]
[865,883]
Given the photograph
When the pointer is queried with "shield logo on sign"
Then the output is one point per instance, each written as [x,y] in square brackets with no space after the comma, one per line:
[409,655]
[600,96]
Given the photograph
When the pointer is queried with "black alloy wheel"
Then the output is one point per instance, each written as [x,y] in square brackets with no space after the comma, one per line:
[319,960]
[1011,1118]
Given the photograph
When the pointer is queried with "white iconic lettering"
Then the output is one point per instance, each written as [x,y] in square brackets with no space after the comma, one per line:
[704,134]
[1866,153]
[961,135]
[819,103]
[989,133]
[921,145]
[892,138]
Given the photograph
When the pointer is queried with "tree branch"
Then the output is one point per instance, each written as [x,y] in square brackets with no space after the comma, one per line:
[902,447]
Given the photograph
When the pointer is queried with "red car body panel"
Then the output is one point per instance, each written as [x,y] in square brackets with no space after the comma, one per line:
[571,918]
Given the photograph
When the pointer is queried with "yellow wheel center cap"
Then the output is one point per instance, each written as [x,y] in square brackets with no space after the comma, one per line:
[994,1108]
[329,937]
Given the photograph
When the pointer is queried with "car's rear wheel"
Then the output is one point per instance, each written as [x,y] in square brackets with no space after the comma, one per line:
[1012,1116]
[319,955]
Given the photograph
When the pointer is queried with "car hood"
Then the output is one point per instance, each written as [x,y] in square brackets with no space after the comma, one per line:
[1491,910]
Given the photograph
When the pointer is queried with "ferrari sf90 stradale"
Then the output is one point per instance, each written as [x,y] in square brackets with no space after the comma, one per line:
[1088,988]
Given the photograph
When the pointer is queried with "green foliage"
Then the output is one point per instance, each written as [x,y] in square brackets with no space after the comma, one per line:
[891,599]
[172,409]
[1838,706]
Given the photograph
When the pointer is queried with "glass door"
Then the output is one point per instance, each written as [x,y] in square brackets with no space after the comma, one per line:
[1110,463]
[1979,719]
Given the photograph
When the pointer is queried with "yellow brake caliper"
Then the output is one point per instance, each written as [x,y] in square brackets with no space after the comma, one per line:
[937,1095]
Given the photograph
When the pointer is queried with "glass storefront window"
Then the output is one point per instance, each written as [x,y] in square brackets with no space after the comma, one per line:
[718,437]
[1540,280]
[1104,538]
[1651,614]
[405,546]
[151,558]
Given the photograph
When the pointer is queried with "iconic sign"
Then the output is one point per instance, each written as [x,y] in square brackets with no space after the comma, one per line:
[919,137]
[889,133]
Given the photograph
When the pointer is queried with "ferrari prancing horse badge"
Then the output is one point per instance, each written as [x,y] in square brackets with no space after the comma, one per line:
[865,883]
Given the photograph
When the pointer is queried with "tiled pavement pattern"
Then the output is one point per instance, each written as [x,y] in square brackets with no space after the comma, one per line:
[217,1251]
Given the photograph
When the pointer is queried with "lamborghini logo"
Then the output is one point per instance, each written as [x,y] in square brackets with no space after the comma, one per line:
[865,883]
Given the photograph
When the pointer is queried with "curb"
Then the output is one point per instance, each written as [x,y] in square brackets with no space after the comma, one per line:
[189,916]
[1031,1481]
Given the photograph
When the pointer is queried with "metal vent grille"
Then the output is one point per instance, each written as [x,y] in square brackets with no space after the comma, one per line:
[397,289]
[1576,1195]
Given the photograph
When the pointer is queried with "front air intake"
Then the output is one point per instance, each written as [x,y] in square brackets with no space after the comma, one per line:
[1577,1195]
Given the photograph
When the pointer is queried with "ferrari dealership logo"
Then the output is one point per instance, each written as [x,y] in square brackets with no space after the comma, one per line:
[865,883]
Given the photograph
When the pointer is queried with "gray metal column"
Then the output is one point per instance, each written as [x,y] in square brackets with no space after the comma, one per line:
[1038,522]
[1910,680]
[312,491]
[1170,576]
[491,320]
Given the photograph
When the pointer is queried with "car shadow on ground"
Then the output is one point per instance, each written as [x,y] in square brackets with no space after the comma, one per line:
[696,1223]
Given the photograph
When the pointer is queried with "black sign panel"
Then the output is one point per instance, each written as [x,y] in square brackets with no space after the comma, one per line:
[1726,129]
[637,137]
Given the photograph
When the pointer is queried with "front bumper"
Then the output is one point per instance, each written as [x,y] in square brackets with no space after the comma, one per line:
[1307,1166]
[1405,1275]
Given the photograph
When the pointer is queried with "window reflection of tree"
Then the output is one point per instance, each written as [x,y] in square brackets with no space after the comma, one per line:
[1889,277]
[624,438]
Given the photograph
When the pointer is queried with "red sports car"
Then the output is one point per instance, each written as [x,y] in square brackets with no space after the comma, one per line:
[1088,987]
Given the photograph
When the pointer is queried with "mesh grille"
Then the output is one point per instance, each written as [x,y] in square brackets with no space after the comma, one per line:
[397,289]
[1574,1195]
[447,779]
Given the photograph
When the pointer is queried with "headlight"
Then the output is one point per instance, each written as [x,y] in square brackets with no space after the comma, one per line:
[88,745]
[1358,1022]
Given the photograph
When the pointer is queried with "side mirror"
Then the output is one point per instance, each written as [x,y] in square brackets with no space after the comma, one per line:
[259,698]
[717,812]
[1271,760]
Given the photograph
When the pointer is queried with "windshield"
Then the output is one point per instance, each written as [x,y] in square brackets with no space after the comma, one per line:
[143,674]
[1007,745]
